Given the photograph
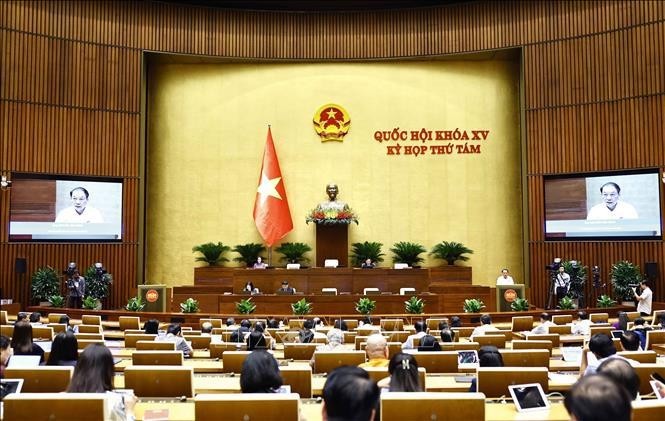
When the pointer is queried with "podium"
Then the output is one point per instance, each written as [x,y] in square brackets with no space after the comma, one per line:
[154,297]
[506,294]
[332,242]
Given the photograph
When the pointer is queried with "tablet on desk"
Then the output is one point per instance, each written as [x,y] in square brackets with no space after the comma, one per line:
[467,357]
[8,386]
[529,397]
[616,334]
[658,389]
[571,354]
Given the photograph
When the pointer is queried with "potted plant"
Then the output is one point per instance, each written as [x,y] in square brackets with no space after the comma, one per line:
[605,301]
[212,253]
[450,251]
[90,303]
[473,305]
[301,307]
[520,304]
[97,283]
[294,252]
[190,305]
[407,252]
[245,306]
[365,306]
[135,304]
[57,301]
[367,250]
[414,305]
[248,253]
[44,284]
[624,274]
[566,303]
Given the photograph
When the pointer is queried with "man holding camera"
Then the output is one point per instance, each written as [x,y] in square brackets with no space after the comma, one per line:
[644,299]
[75,289]
[562,283]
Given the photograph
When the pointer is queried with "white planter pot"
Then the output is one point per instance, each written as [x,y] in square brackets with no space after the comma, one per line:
[628,303]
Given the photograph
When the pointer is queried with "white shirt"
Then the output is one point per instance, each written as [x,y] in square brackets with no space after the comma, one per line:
[644,305]
[542,328]
[408,344]
[508,280]
[562,280]
[582,327]
[88,215]
[622,210]
[483,329]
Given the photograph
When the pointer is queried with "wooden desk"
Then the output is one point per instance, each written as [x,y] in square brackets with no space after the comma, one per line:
[199,366]
[311,411]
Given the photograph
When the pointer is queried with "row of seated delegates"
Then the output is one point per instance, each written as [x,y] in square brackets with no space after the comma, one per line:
[22,343]
[94,374]
[544,326]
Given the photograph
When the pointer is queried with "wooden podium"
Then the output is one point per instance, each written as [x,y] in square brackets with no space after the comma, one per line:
[506,294]
[154,297]
[332,242]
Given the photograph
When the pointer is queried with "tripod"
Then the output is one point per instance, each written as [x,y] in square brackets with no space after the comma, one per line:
[550,289]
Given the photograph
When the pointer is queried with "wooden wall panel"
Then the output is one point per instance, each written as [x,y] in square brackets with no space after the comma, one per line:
[70,71]
[50,139]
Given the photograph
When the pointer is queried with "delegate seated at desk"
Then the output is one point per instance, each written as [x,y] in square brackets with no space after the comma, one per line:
[368,264]
[286,289]
[259,264]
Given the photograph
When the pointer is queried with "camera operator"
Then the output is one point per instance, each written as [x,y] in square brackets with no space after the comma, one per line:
[562,283]
[75,289]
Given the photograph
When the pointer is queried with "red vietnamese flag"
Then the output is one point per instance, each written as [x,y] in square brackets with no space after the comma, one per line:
[271,208]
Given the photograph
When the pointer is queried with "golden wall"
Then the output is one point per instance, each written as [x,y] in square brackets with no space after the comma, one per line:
[207,126]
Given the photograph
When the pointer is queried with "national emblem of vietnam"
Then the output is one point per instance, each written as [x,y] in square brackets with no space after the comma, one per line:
[332,122]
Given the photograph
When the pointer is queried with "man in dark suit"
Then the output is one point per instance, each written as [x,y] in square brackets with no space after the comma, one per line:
[286,289]
[75,290]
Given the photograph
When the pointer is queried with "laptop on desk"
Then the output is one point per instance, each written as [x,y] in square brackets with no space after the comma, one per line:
[23,361]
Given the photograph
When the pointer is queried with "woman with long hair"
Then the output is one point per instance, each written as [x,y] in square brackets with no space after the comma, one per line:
[403,369]
[64,350]
[22,341]
[94,374]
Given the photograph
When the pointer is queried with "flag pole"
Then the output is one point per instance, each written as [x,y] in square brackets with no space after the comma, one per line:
[270,256]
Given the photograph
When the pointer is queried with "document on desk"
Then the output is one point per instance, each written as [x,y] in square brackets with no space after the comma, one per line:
[568,379]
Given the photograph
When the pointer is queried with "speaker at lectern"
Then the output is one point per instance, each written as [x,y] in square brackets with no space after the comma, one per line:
[506,294]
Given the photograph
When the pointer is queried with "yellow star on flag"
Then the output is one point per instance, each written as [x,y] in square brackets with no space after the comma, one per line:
[268,187]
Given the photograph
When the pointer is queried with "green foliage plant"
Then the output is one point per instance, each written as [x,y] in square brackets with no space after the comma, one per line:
[624,274]
[367,250]
[248,253]
[407,252]
[44,284]
[135,304]
[245,306]
[451,251]
[90,303]
[190,305]
[57,301]
[605,301]
[212,253]
[414,305]
[365,306]
[97,286]
[294,252]
[566,303]
[301,307]
[520,304]
[473,305]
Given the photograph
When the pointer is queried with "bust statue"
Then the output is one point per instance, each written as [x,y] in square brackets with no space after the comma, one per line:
[332,204]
